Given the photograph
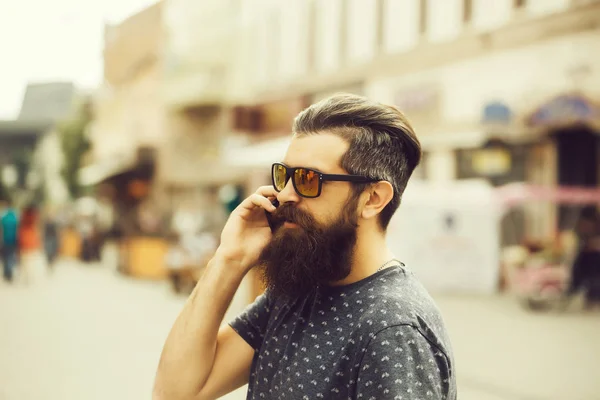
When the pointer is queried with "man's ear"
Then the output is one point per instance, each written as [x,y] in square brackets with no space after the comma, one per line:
[377,197]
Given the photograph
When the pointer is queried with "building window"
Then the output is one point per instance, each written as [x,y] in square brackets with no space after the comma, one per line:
[312,36]
[423,16]
[344,11]
[467,11]
[380,44]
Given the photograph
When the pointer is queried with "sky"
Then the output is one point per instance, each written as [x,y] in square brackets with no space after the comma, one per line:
[54,40]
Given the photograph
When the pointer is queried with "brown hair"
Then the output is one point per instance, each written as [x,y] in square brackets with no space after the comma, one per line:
[383,145]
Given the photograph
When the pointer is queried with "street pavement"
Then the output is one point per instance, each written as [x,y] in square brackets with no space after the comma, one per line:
[87,332]
[504,352]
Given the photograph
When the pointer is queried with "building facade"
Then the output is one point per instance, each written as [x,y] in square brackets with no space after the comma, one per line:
[503,90]
[471,75]
[130,124]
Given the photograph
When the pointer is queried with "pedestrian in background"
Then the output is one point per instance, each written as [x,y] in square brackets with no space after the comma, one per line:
[586,267]
[51,237]
[9,223]
[29,244]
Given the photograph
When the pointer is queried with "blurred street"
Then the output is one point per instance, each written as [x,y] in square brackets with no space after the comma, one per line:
[135,128]
[85,333]
[506,353]
[89,333]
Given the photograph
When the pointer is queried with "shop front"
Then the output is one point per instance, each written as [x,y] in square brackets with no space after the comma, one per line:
[138,227]
[569,124]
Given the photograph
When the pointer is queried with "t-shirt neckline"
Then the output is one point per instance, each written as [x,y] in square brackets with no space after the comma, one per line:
[329,289]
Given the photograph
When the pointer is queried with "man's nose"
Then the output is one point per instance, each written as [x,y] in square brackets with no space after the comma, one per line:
[288,194]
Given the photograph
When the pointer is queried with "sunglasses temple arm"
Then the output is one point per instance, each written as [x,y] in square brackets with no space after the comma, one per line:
[348,178]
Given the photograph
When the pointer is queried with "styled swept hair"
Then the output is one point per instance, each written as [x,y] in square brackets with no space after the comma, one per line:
[382,143]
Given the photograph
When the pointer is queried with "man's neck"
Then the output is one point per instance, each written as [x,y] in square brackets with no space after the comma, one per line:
[370,253]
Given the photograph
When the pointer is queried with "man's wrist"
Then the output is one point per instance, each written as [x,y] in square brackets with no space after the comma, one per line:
[230,260]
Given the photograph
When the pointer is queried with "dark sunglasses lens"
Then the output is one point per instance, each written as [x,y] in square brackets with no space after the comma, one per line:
[279,176]
[307,182]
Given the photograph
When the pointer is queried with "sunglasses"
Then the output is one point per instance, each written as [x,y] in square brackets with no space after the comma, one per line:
[308,182]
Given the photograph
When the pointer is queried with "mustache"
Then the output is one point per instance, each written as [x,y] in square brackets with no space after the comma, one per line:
[290,213]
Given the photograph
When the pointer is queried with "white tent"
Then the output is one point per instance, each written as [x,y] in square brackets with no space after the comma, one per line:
[448,235]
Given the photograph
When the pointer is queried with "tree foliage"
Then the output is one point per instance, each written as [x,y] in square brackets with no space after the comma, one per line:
[75,143]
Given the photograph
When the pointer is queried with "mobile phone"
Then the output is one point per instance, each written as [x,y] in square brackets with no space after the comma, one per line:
[275,202]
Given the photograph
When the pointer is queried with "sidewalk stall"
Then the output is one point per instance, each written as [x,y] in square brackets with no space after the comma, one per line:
[539,272]
[137,223]
[187,258]
[449,235]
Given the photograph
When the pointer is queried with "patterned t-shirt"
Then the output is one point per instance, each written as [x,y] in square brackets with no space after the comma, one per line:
[376,339]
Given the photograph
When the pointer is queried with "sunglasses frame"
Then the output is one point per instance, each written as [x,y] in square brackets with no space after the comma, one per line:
[290,171]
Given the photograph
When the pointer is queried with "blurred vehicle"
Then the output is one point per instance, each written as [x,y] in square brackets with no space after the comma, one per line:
[186,259]
[540,273]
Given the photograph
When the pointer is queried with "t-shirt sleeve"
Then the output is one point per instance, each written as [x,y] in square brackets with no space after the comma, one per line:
[251,324]
[400,363]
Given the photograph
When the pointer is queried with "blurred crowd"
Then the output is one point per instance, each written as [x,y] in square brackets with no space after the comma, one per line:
[30,241]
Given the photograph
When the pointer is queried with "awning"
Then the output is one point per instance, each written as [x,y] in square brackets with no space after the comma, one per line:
[268,152]
[258,155]
[25,127]
[453,140]
[209,174]
[515,194]
[565,109]
[100,171]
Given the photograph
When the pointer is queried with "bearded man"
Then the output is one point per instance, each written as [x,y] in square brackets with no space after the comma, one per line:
[341,317]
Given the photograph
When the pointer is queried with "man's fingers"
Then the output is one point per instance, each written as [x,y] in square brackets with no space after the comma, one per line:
[260,199]
[256,200]
[267,191]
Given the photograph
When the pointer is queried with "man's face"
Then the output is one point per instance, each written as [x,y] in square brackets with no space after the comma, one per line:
[314,239]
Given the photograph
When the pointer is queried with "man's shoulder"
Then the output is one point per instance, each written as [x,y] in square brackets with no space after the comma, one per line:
[402,295]
[398,299]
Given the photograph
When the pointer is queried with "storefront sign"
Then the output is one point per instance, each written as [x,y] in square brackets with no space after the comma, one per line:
[422,106]
[417,100]
[565,109]
[496,113]
[491,161]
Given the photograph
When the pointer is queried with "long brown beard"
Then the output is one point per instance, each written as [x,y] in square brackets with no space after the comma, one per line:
[299,259]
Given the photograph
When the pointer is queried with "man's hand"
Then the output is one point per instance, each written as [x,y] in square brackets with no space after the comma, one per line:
[247,231]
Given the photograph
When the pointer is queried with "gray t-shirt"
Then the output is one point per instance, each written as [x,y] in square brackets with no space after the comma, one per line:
[379,338]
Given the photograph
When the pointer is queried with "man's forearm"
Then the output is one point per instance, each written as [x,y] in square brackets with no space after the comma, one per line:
[189,351]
